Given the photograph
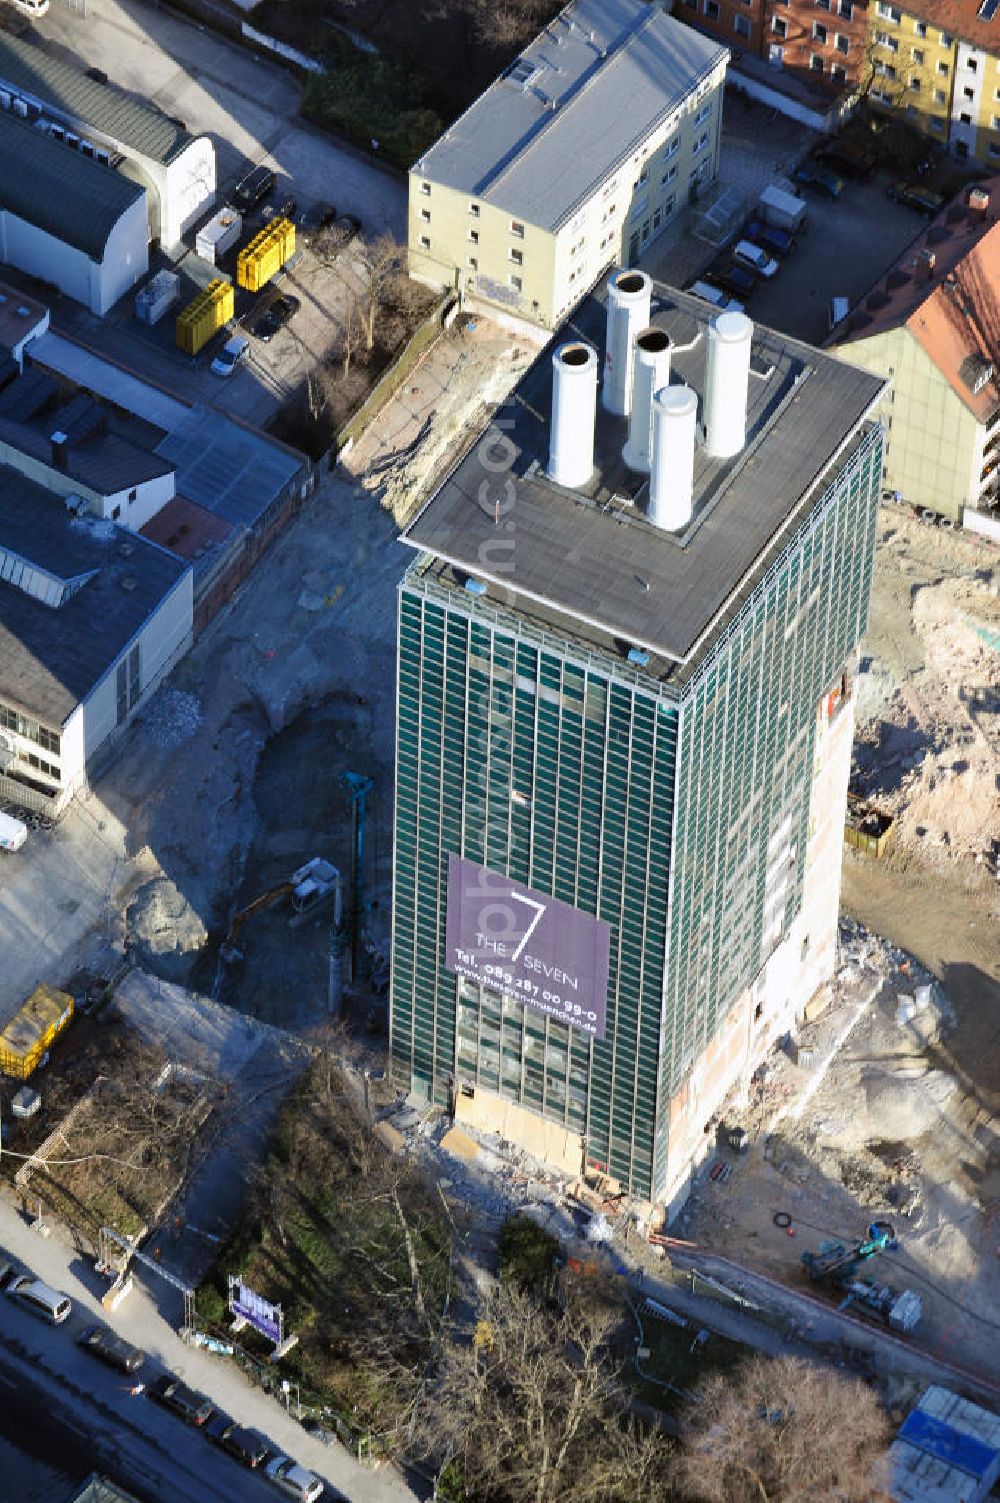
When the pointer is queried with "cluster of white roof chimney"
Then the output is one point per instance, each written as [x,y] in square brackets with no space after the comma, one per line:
[662,418]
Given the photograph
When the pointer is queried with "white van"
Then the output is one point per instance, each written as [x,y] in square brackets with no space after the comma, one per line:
[39,1298]
[32,7]
[13,833]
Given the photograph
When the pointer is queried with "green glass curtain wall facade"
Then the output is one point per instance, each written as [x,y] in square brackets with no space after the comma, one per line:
[584,779]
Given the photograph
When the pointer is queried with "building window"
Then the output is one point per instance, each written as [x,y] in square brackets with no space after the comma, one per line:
[741,26]
[657,219]
[517,229]
[474,236]
[993,149]
[118,511]
[822,4]
[425,215]
[838,73]
[965,119]
[887,12]
[972,65]
[669,175]
[968,93]
[425,188]
[816,63]
[671,146]
[474,262]
[703,113]
[914,84]
[917,56]
[943,69]
[700,144]
[474,210]
[712,9]
[779,26]
[920,28]
[842,44]
[884,40]
[425,242]
[940,96]
[846,9]
[517,257]
[946,40]
[516,283]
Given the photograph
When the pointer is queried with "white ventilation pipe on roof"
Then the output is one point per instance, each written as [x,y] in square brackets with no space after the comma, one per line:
[630,296]
[727,378]
[574,409]
[650,373]
[671,481]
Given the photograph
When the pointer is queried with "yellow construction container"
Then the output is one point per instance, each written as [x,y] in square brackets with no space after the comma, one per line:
[266,254]
[213,307]
[30,1032]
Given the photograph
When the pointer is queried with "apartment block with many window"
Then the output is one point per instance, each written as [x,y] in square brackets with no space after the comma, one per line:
[577,158]
[624,737]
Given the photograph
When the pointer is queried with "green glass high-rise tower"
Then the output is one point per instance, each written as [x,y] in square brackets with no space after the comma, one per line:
[624,728]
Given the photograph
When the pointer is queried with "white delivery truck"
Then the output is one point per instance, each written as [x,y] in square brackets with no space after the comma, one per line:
[13,833]
[778,207]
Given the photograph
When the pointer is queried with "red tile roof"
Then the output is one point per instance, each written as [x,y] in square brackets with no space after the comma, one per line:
[954,314]
[959,18]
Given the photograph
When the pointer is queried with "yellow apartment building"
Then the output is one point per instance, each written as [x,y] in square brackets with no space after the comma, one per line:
[575,159]
[939,62]
[929,326]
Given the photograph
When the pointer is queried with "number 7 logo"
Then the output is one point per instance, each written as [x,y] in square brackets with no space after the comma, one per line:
[531,903]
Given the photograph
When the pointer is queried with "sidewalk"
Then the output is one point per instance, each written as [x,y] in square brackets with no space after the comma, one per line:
[56,1261]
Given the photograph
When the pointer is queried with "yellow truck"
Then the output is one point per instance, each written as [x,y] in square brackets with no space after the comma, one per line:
[30,1032]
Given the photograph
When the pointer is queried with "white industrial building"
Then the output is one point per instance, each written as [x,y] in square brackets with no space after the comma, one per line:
[69,220]
[100,123]
[91,619]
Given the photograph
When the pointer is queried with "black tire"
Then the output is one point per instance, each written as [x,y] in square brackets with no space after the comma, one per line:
[781,1220]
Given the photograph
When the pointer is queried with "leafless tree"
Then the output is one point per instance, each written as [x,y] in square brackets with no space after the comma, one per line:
[782,1430]
[380,262]
[506,24]
[533,1409]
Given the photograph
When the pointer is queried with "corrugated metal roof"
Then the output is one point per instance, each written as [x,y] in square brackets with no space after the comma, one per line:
[940,1439]
[95,373]
[31,71]
[231,471]
[53,187]
[581,97]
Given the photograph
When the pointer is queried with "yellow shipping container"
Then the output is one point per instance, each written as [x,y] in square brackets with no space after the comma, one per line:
[265,255]
[213,307]
[30,1032]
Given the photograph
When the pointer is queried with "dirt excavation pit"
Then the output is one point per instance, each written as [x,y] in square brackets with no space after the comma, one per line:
[303,808]
[895,1129]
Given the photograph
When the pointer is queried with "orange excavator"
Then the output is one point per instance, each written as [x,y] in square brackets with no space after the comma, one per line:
[230,951]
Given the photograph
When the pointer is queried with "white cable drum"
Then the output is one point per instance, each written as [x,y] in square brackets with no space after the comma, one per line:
[671,481]
[650,373]
[574,409]
[630,296]
[727,378]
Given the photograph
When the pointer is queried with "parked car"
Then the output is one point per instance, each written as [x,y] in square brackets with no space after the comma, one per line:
[314,220]
[294,1480]
[756,258]
[813,174]
[276,316]
[916,196]
[229,357]
[774,239]
[253,189]
[111,1349]
[51,1304]
[848,159]
[8,1272]
[248,1446]
[315,1427]
[715,295]
[193,1407]
[734,278]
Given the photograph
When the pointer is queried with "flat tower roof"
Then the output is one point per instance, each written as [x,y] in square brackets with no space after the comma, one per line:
[577,102]
[588,562]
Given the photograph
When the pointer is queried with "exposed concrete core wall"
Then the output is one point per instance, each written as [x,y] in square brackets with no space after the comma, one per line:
[546,1140]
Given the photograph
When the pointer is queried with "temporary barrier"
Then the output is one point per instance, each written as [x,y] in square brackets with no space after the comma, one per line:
[265,255]
[30,1032]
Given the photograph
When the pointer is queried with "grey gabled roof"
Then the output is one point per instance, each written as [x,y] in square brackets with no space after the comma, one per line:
[579,100]
[29,70]
[53,187]
[52,658]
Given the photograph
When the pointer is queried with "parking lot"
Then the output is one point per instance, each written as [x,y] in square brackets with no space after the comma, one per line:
[248,106]
[848,244]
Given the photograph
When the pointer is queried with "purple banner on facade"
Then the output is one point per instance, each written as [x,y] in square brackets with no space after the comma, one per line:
[527,945]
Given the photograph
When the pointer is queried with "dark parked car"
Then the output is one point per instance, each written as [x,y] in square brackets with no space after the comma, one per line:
[314,220]
[739,280]
[111,1349]
[814,175]
[773,239]
[189,1404]
[849,159]
[276,317]
[253,189]
[916,196]
[248,1446]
